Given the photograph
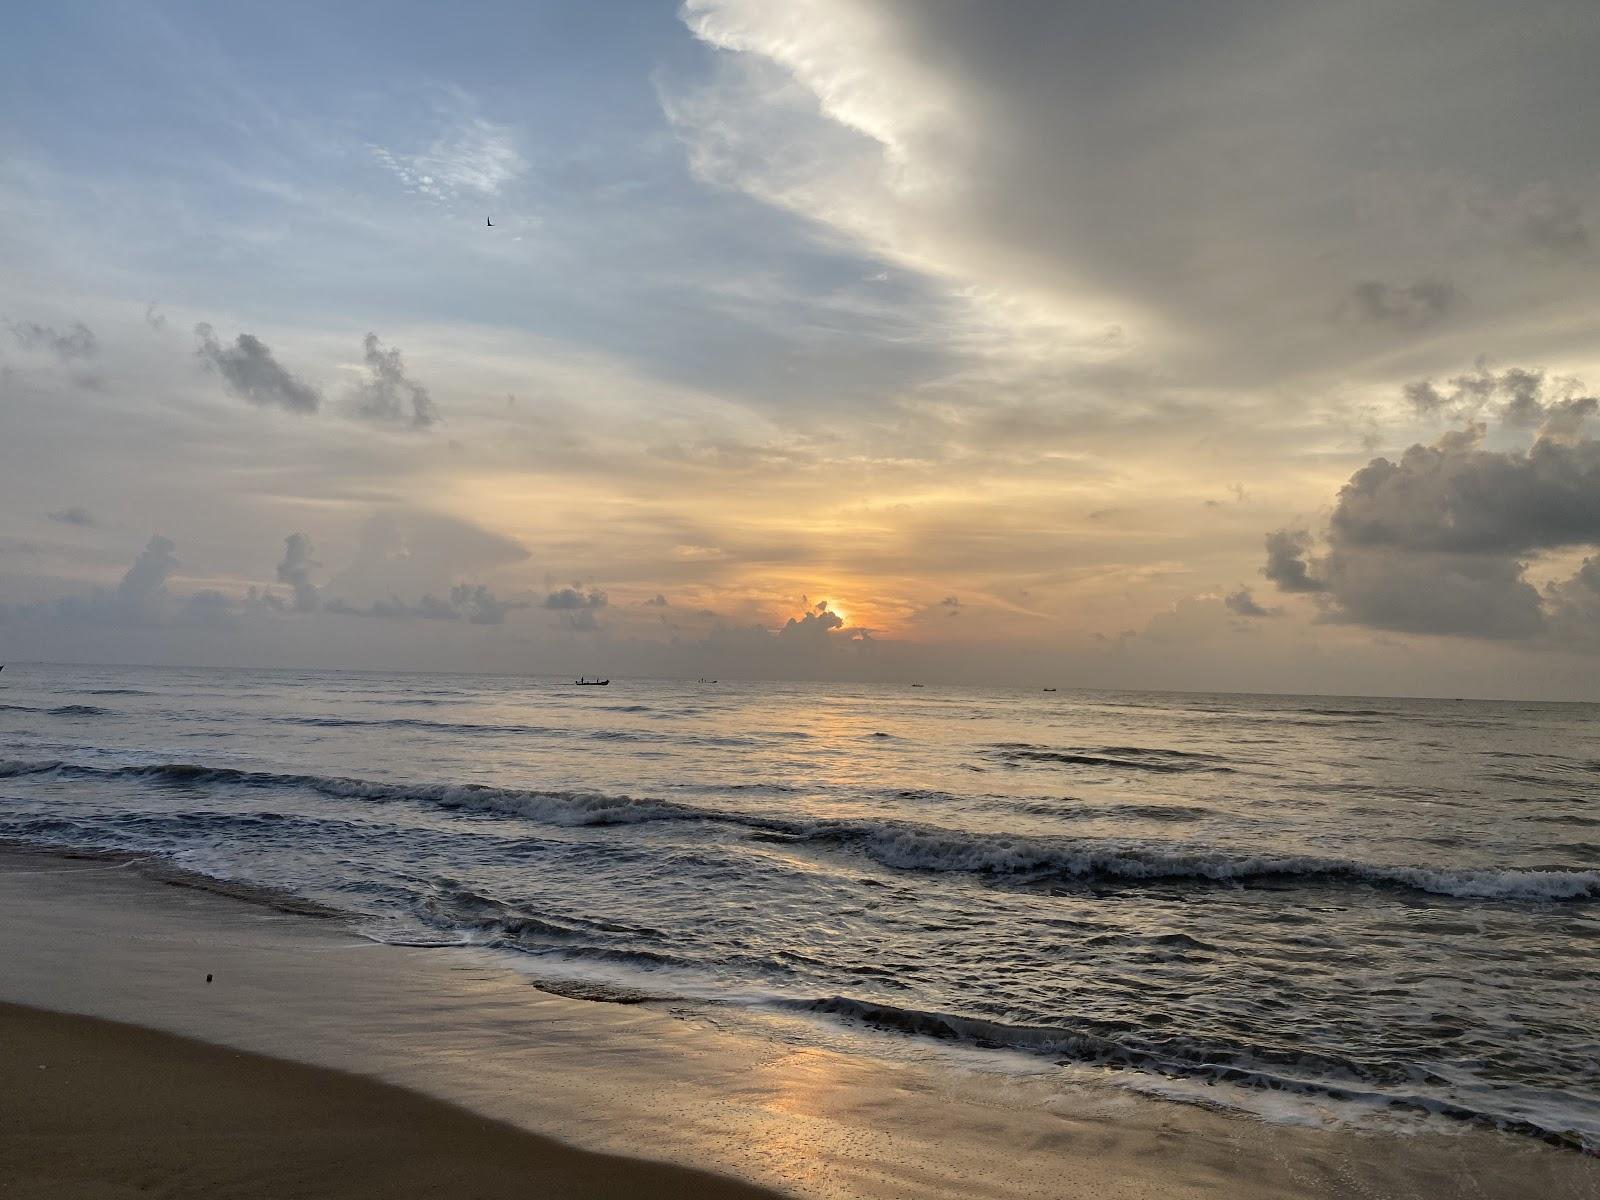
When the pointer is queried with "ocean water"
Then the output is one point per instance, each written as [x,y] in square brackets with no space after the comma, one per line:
[1373,906]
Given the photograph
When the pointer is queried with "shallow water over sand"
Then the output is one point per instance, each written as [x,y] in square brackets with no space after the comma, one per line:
[1301,906]
[100,938]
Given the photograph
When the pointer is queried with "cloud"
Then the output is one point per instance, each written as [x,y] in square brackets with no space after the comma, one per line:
[429,608]
[251,373]
[80,517]
[78,342]
[1553,224]
[1413,307]
[1564,420]
[154,317]
[473,603]
[1030,162]
[389,395]
[146,580]
[295,570]
[1286,561]
[658,601]
[209,608]
[1440,541]
[1457,498]
[469,156]
[1242,604]
[480,606]
[577,607]
[813,627]
[140,601]
[1573,605]
[393,540]
[414,552]
[570,599]
[1527,399]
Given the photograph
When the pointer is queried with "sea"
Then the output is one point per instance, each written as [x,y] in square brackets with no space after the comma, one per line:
[1370,908]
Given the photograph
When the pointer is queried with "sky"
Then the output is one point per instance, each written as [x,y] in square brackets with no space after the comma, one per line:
[1237,346]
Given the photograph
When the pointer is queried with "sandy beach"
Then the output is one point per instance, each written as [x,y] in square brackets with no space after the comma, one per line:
[93,1108]
[553,1095]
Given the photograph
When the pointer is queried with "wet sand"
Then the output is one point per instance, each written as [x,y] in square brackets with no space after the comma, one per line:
[89,1108]
[101,939]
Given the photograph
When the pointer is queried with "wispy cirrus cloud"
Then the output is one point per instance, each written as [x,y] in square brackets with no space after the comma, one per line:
[468,155]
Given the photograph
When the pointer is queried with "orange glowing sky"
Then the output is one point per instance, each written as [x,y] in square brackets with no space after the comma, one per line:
[1011,332]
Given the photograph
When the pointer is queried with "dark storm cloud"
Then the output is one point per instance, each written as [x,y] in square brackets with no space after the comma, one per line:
[1481,595]
[1413,307]
[80,517]
[251,373]
[295,570]
[78,342]
[1439,542]
[1242,604]
[390,395]
[1460,498]
[1286,561]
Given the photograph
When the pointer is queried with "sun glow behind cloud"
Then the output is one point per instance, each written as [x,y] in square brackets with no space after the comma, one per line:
[987,331]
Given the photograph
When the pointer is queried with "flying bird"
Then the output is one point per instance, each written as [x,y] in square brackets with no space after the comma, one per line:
[488,222]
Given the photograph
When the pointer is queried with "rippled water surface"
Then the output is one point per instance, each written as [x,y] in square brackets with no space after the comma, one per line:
[1381,902]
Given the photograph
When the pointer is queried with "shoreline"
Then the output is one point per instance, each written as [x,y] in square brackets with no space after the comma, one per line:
[190,1119]
[95,935]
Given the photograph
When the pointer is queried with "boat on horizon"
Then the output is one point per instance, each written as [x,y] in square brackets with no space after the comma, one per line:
[583,682]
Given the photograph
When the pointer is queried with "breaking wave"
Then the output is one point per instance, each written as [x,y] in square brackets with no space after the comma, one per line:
[60,710]
[1127,758]
[899,845]
[1393,1084]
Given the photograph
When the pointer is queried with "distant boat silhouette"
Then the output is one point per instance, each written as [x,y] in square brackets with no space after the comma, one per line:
[918,685]
[582,682]
[1049,689]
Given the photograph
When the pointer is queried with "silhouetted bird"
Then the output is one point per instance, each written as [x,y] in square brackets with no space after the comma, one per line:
[488,222]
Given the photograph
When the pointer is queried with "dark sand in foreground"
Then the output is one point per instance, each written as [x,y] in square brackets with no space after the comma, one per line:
[89,1108]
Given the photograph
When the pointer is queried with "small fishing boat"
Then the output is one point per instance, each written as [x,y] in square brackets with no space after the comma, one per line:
[582,682]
